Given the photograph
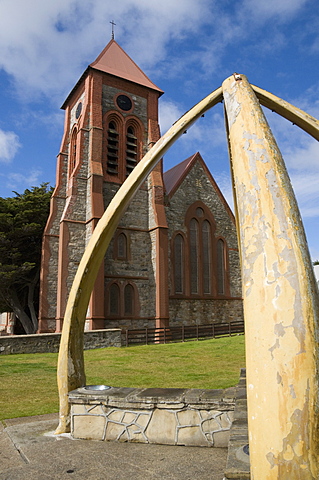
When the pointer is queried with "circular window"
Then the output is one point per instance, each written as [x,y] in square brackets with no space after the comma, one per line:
[124,103]
[78,110]
[199,212]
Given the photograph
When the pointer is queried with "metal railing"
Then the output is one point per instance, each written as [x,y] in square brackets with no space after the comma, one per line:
[183,333]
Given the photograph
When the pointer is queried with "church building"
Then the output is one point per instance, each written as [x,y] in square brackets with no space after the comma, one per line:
[174,258]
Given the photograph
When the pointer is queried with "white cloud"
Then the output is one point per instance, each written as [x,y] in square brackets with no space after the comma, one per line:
[47,53]
[169,112]
[273,8]
[18,181]
[9,145]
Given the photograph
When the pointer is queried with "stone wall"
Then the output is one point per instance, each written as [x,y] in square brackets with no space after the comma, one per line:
[204,311]
[169,416]
[138,267]
[50,342]
[197,186]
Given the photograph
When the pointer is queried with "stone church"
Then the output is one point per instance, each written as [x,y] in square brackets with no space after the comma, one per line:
[174,258]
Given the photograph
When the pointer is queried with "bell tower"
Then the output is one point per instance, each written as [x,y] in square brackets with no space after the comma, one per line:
[111,119]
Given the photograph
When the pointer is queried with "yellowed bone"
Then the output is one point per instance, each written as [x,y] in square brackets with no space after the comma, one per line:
[280,298]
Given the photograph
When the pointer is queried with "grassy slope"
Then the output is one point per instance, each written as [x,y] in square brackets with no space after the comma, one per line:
[28,382]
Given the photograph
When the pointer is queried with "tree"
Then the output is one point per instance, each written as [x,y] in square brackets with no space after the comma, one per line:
[22,221]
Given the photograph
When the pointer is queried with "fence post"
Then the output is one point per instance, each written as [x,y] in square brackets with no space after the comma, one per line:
[197,331]
[146,336]
[126,337]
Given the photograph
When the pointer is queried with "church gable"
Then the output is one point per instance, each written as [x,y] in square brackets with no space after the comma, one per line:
[189,182]
[203,251]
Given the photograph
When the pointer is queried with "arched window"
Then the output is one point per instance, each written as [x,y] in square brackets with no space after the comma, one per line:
[220,267]
[201,256]
[194,255]
[112,162]
[122,299]
[206,256]
[128,300]
[121,244]
[131,149]
[179,264]
[73,150]
[114,299]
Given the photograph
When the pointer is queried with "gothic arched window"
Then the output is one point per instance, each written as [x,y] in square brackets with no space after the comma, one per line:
[179,264]
[194,255]
[128,300]
[121,246]
[131,149]
[114,299]
[73,150]
[200,273]
[112,162]
[221,267]
[122,300]
[206,256]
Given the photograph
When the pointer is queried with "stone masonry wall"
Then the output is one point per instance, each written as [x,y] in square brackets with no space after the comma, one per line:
[140,103]
[138,268]
[201,312]
[50,342]
[196,186]
[169,416]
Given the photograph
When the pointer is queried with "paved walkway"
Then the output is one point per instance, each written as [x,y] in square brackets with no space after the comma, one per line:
[29,450]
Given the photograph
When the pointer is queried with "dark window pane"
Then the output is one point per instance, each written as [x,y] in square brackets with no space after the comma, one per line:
[193,240]
[220,267]
[121,246]
[199,212]
[179,263]
[114,299]
[128,299]
[73,150]
[206,257]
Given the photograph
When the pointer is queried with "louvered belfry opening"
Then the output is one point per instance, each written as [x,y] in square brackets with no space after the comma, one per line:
[112,149]
[131,150]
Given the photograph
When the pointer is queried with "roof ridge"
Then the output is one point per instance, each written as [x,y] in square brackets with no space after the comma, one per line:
[114,60]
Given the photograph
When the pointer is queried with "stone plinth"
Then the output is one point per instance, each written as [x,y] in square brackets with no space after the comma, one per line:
[238,461]
[169,416]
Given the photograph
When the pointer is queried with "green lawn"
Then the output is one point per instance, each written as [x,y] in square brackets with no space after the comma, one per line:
[28,382]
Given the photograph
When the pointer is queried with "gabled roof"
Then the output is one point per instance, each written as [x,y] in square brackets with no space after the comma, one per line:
[174,177]
[115,61]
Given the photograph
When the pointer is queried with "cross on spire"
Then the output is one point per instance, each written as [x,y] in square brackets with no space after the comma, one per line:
[113,24]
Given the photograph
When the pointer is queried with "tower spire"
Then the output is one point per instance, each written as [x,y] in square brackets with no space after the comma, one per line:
[113,24]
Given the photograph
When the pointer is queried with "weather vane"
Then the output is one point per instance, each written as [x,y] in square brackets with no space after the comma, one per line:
[113,24]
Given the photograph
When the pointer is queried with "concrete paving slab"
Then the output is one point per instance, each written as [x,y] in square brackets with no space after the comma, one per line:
[30,450]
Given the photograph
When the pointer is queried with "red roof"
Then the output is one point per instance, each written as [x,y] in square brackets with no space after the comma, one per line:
[173,177]
[115,61]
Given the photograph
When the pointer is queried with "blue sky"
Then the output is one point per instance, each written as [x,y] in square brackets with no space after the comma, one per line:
[187,48]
